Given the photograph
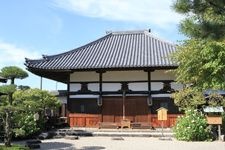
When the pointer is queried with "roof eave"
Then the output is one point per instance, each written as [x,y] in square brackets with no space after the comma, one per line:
[62,75]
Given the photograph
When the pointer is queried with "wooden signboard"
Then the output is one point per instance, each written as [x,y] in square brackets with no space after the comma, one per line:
[214,120]
[162,113]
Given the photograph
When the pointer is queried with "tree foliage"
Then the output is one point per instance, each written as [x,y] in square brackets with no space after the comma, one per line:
[8,89]
[35,100]
[201,64]
[27,103]
[32,101]
[8,110]
[188,98]
[215,99]
[12,73]
[205,19]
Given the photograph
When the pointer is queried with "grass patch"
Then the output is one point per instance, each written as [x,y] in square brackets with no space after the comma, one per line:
[13,147]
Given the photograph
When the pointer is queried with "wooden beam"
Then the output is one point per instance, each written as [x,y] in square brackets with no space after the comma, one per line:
[68,93]
[118,92]
[135,81]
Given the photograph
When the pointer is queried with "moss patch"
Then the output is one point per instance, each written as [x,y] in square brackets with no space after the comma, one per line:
[13,147]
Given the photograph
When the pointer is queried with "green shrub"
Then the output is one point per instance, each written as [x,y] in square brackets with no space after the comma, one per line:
[192,127]
[26,125]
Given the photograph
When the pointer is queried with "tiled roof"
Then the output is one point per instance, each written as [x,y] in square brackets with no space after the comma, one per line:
[129,49]
[213,109]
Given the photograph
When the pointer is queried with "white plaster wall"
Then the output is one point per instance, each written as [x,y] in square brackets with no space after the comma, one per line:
[177,86]
[84,76]
[117,86]
[93,86]
[74,87]
[162,75]
[122,76]
[156,86]
[138,86]
[111,86]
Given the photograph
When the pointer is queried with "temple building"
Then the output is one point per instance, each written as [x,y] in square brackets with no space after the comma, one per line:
[120,76]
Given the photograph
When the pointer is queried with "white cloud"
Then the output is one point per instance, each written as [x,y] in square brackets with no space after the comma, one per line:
[11,54]
[140,11]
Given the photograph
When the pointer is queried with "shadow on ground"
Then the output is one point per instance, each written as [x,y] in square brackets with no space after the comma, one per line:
[92,148]
[66,146]
[56,145]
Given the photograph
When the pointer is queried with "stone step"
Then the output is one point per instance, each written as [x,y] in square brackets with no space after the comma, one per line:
[111,132]
[114,130]
[132,134]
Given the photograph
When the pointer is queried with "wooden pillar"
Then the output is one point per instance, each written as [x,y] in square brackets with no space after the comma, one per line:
[149,82]
[124,107]
[100,84]
[100,81]
[68,101]
[100,92]
[68,93]
[149,94]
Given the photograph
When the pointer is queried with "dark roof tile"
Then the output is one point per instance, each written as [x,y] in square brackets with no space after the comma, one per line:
[128,49]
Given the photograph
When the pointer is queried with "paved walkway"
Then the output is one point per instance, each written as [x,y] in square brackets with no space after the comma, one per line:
[128,143]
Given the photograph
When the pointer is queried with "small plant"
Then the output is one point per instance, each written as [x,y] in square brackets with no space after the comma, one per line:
[14,147]
[192,127]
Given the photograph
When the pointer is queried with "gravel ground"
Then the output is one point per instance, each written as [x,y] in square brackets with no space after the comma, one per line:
[127,143]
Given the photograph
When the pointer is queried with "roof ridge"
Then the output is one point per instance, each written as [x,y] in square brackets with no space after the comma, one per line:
[128,32]
[160,39]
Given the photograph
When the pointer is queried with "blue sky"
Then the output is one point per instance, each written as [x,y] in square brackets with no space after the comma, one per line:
[30,28]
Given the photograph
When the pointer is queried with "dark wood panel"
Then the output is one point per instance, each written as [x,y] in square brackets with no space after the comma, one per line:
[84,105]
[170,122]
[84,120]
[141,110]
[112,109]
[136,109]
[164,102]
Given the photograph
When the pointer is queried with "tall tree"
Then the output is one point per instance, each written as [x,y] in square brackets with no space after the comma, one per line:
[201,64]
[204,19]
[11,73]
[201,58]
